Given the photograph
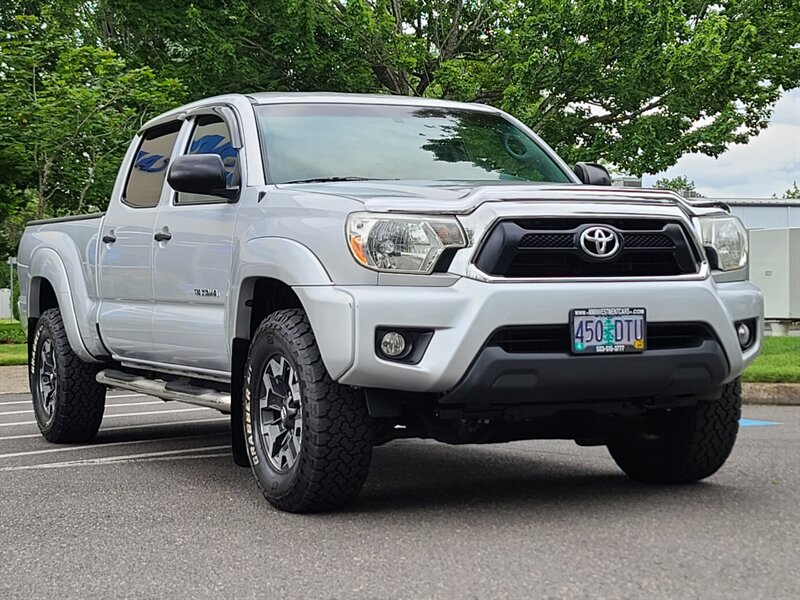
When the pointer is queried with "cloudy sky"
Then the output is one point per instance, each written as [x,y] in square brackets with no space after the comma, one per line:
[766,165]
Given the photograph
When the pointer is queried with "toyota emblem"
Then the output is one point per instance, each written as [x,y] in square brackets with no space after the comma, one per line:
[600,242]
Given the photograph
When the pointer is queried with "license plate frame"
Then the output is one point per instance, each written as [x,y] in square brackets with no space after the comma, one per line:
[628,317]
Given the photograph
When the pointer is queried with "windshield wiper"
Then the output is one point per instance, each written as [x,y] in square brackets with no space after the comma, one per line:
[327,179]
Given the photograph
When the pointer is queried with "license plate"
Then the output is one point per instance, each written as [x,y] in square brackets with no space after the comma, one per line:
[607,330]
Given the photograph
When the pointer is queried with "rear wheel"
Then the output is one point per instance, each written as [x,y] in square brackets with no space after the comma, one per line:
[683,445]
[67,400]
[309,439]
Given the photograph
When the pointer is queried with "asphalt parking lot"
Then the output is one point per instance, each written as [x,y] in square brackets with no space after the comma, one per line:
[156,508]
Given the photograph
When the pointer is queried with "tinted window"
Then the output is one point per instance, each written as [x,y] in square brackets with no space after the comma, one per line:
[305,141]
[149,170]
[212,136]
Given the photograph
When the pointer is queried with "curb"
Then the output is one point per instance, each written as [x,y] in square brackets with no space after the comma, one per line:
[14,380]
[778,394]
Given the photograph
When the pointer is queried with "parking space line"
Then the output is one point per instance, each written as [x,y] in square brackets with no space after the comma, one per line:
[135,414]
[30,410]
[123,427]
[29,401]
[134,403]
[118,459]
[106,445]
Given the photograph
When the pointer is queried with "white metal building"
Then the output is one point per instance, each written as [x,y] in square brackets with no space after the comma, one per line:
[759,213]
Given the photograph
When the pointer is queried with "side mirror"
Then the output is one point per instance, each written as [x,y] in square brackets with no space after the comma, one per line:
[592,173]
[200,174]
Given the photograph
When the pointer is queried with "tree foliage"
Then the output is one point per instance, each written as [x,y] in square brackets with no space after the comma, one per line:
[635,82]
[678,184]
[793,193]
[68,112]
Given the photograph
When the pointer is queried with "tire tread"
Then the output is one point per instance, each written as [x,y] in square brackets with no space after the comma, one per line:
[337,448]
[81,400]
[699,445]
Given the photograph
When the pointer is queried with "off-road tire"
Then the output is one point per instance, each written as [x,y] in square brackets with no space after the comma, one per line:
[334,456]
[689,443]
[78,400]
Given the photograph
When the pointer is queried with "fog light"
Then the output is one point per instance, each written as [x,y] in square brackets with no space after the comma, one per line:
[393,344]
[744,334]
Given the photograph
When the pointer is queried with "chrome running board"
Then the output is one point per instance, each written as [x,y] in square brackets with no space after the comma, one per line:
[166,390]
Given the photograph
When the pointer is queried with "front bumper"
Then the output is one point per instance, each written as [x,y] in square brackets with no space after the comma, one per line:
[465,314]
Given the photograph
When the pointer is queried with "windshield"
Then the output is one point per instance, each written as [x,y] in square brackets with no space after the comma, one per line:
[305,142]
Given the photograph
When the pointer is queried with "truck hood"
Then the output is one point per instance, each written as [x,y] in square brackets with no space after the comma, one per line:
[464,197]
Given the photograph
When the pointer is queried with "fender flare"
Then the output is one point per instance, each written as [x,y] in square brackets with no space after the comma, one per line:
[295,265]
[47,265]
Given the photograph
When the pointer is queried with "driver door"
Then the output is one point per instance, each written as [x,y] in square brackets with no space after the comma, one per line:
[192,261]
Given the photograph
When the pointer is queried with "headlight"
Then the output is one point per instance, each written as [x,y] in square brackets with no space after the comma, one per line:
[401,244]
[728,238]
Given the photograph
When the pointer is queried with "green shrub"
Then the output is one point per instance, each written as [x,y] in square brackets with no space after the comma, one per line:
[11,333]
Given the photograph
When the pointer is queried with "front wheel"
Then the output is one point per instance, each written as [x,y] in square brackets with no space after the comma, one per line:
[67,400]
[309,439]
[683,445]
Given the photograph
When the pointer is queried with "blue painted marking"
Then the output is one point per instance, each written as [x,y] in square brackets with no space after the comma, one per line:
[755,423]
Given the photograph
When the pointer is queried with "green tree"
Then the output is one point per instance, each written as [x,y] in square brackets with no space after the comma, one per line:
[67,112]
[793,193]
[678,184]
[634,82]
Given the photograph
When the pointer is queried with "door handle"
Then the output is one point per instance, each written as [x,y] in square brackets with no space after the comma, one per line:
[109,238]
[162,236]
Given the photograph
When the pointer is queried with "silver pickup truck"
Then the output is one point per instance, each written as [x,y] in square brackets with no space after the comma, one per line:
[339,271]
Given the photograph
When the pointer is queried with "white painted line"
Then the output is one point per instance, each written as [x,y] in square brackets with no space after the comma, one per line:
[122,427]
[135,414]
[29,401]
[119,459]
[132,404]
[30,410]
[107,445]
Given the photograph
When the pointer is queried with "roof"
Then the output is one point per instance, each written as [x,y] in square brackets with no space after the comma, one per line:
[315,97]
[337,98]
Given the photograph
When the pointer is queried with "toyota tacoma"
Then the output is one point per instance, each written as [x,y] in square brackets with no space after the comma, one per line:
[339,271]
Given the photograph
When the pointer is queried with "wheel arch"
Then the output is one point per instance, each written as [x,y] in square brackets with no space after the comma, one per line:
[271,273]
[258,297]
[50,287]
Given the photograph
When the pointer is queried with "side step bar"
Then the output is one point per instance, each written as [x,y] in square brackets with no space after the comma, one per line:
[166,390]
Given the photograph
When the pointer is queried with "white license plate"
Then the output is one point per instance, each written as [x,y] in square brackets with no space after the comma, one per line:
[607,330]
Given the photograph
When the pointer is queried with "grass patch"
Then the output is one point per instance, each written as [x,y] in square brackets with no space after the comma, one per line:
[11,333]
[779,362]
[13,354]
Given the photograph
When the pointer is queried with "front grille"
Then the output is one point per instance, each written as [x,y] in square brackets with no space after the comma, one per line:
[539,339]
[550,248]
